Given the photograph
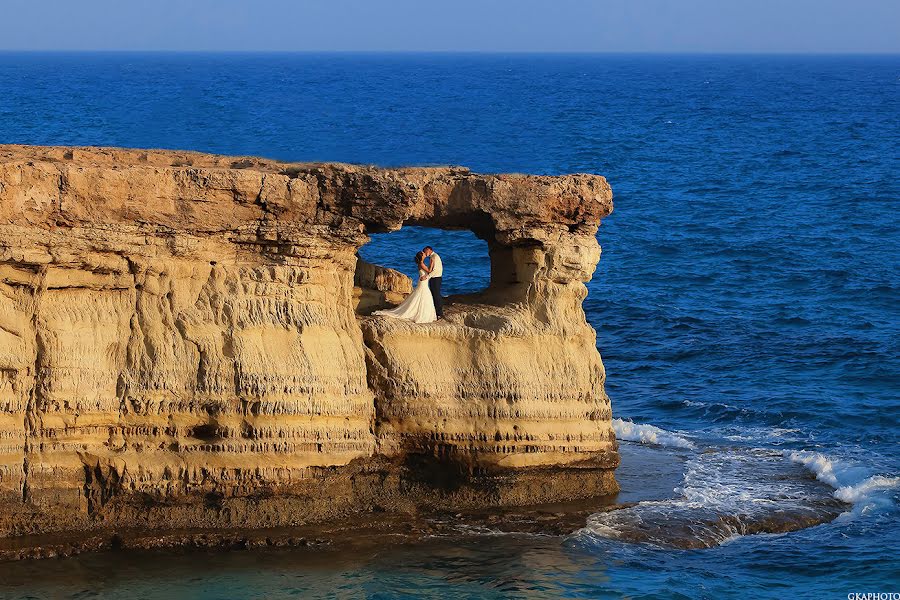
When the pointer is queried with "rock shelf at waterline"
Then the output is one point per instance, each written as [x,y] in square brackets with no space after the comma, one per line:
[185,342]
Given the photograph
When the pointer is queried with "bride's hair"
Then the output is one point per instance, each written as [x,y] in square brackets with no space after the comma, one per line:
[419,256]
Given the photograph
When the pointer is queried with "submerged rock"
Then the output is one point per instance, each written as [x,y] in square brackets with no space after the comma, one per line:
[184,343]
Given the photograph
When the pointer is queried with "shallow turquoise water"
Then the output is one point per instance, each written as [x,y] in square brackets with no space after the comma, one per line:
[746,301]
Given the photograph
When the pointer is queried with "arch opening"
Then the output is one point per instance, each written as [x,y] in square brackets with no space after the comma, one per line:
[386,269]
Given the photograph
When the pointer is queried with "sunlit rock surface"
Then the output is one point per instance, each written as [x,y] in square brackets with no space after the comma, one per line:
[184,342]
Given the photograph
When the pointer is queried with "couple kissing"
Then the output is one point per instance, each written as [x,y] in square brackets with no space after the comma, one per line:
[424,304]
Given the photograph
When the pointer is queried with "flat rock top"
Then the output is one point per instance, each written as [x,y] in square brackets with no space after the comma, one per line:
[191,190]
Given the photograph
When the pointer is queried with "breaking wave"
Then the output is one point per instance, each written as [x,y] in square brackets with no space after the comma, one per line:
[730,492]
[852,485]
[649,434]
[725,493]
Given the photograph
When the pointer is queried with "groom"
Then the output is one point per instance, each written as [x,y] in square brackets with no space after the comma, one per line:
[434,282]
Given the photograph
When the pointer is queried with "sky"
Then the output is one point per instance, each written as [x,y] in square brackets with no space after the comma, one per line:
[667,26]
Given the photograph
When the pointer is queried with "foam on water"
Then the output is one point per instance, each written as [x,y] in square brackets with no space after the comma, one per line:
[748,282]
[852,484]
[760,435]
[650,434]
[725,493]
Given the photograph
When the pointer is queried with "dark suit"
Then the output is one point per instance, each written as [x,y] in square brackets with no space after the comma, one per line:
[434,284]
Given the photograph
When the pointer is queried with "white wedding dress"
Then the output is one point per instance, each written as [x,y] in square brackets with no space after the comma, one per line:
[418,306]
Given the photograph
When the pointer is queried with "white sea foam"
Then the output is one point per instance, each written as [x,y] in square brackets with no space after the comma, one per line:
[649,434]
[851,484]
[726,493]
[854,494]
[819,464]
[731,492]
[763,434]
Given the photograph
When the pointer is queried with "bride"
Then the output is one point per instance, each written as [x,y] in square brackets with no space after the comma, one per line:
[419,305]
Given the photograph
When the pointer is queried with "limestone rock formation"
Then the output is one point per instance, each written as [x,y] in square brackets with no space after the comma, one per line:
[184,342]
[376,287]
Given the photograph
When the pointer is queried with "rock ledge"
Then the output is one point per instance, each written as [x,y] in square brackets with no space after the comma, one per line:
[184,343]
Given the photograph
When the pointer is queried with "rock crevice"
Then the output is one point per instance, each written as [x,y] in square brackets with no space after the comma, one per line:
[184,342]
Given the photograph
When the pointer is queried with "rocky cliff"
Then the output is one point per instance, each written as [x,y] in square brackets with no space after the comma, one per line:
[183,342]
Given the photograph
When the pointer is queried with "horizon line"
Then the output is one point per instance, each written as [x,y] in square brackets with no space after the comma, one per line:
[455,52]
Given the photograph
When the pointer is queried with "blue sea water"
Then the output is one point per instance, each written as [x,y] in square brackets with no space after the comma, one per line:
[746,303]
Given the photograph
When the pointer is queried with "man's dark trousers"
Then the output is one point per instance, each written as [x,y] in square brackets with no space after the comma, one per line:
[434,284]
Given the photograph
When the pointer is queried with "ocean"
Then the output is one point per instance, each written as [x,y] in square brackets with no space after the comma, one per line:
[746,303]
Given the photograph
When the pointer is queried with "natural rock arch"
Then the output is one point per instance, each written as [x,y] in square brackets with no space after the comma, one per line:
[385,269]
[179,346]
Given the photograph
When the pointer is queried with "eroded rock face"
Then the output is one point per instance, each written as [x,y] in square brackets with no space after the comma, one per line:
[376,287]
[183,343]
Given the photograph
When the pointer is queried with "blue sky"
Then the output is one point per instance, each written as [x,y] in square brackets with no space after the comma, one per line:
[831,26]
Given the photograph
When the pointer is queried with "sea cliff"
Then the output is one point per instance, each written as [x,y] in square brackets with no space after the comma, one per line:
[184,342]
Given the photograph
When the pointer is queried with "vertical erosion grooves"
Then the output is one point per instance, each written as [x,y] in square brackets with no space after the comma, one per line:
[496,394]
[183,378]
[183,343]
